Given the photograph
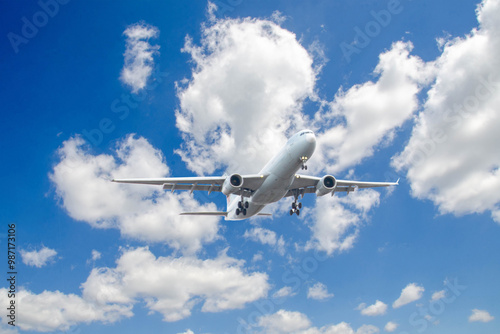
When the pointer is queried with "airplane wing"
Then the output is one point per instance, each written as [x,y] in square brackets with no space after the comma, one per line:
[202,183]
[305,184]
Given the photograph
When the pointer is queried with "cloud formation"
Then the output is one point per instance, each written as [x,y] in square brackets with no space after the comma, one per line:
[138,57]
[379,308]
[480,315]
[148,213]
[289,322]
[318,291]
[37,258]
[409,294]
[244,97]
[452,155]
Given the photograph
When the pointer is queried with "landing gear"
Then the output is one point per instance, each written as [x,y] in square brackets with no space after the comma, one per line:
[295,207]
[242,208]
[304,160]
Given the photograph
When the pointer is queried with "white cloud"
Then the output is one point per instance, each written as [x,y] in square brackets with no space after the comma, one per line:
[55,311]
[368,114]
[37,258]
[391,326]
[318,291]
[244,97]
[284,292]
[379,308]
[187,332]
[95,255]
[82,182]
[438,295]
[480,315]
[409,294]
[266,237]
[220,283]
[289,322]
[138,57]
[452,156]
[335,221]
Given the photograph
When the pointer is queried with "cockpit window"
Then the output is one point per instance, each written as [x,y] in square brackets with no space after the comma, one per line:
[303,133]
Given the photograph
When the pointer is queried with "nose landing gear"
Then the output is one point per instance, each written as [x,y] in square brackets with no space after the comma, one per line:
[304,160]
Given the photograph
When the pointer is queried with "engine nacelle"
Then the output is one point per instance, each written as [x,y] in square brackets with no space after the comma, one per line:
[232,184]
[326,185]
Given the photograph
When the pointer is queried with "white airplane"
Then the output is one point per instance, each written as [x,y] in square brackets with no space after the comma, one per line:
[276,180]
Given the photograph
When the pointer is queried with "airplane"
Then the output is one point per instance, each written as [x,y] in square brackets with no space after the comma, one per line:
[278,179]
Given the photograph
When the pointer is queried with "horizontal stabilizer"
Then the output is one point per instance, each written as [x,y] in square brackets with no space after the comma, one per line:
[204,213]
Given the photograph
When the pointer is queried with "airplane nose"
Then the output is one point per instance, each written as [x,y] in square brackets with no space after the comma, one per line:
[311,138]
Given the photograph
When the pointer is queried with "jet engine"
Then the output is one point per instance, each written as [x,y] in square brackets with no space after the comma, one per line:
[232,184]
[326,185]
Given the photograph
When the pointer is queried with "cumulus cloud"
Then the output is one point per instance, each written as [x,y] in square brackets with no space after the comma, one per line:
[409,294]
[109,294]
[55,311]
[148,213]
[318,291]
[391,326]
[335,221]
[289,322]
[379,308]
[138,57]
[368,114]
[266,237]
[452,155]
[220,283]
[244,97]
[438,295]
[284,292]
[37,258]
[480,315]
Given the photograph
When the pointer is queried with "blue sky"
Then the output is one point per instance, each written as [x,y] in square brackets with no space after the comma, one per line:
[393,89]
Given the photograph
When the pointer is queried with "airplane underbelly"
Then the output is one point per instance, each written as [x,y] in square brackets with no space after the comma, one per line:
[272,190]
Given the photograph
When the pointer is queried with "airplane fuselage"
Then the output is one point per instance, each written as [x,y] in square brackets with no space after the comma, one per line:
[279,173]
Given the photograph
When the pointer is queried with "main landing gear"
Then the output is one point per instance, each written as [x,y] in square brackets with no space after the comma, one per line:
[242,208]
[304,160]
[295,208]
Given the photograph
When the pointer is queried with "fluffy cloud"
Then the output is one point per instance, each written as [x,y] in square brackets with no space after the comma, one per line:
[452,155]
[220,283]
[109,294]
[480,315]
[266,237]
[409,294]
[288,322]
[244,97]
[138,57]
[368,114]
[284,292]
[55,311]
[335,221]
[318,291]
[379,308]
[37,258]
[390,326]
[82,182]
[438,295]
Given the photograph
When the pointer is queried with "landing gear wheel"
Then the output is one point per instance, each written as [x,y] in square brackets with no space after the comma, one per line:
[300,205]
[294,205]
[297,212]
[240,206]
[246,205]
[291,212]
[237,212]
[244,212]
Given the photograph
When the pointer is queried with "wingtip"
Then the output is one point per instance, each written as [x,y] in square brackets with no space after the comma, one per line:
[397,182]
